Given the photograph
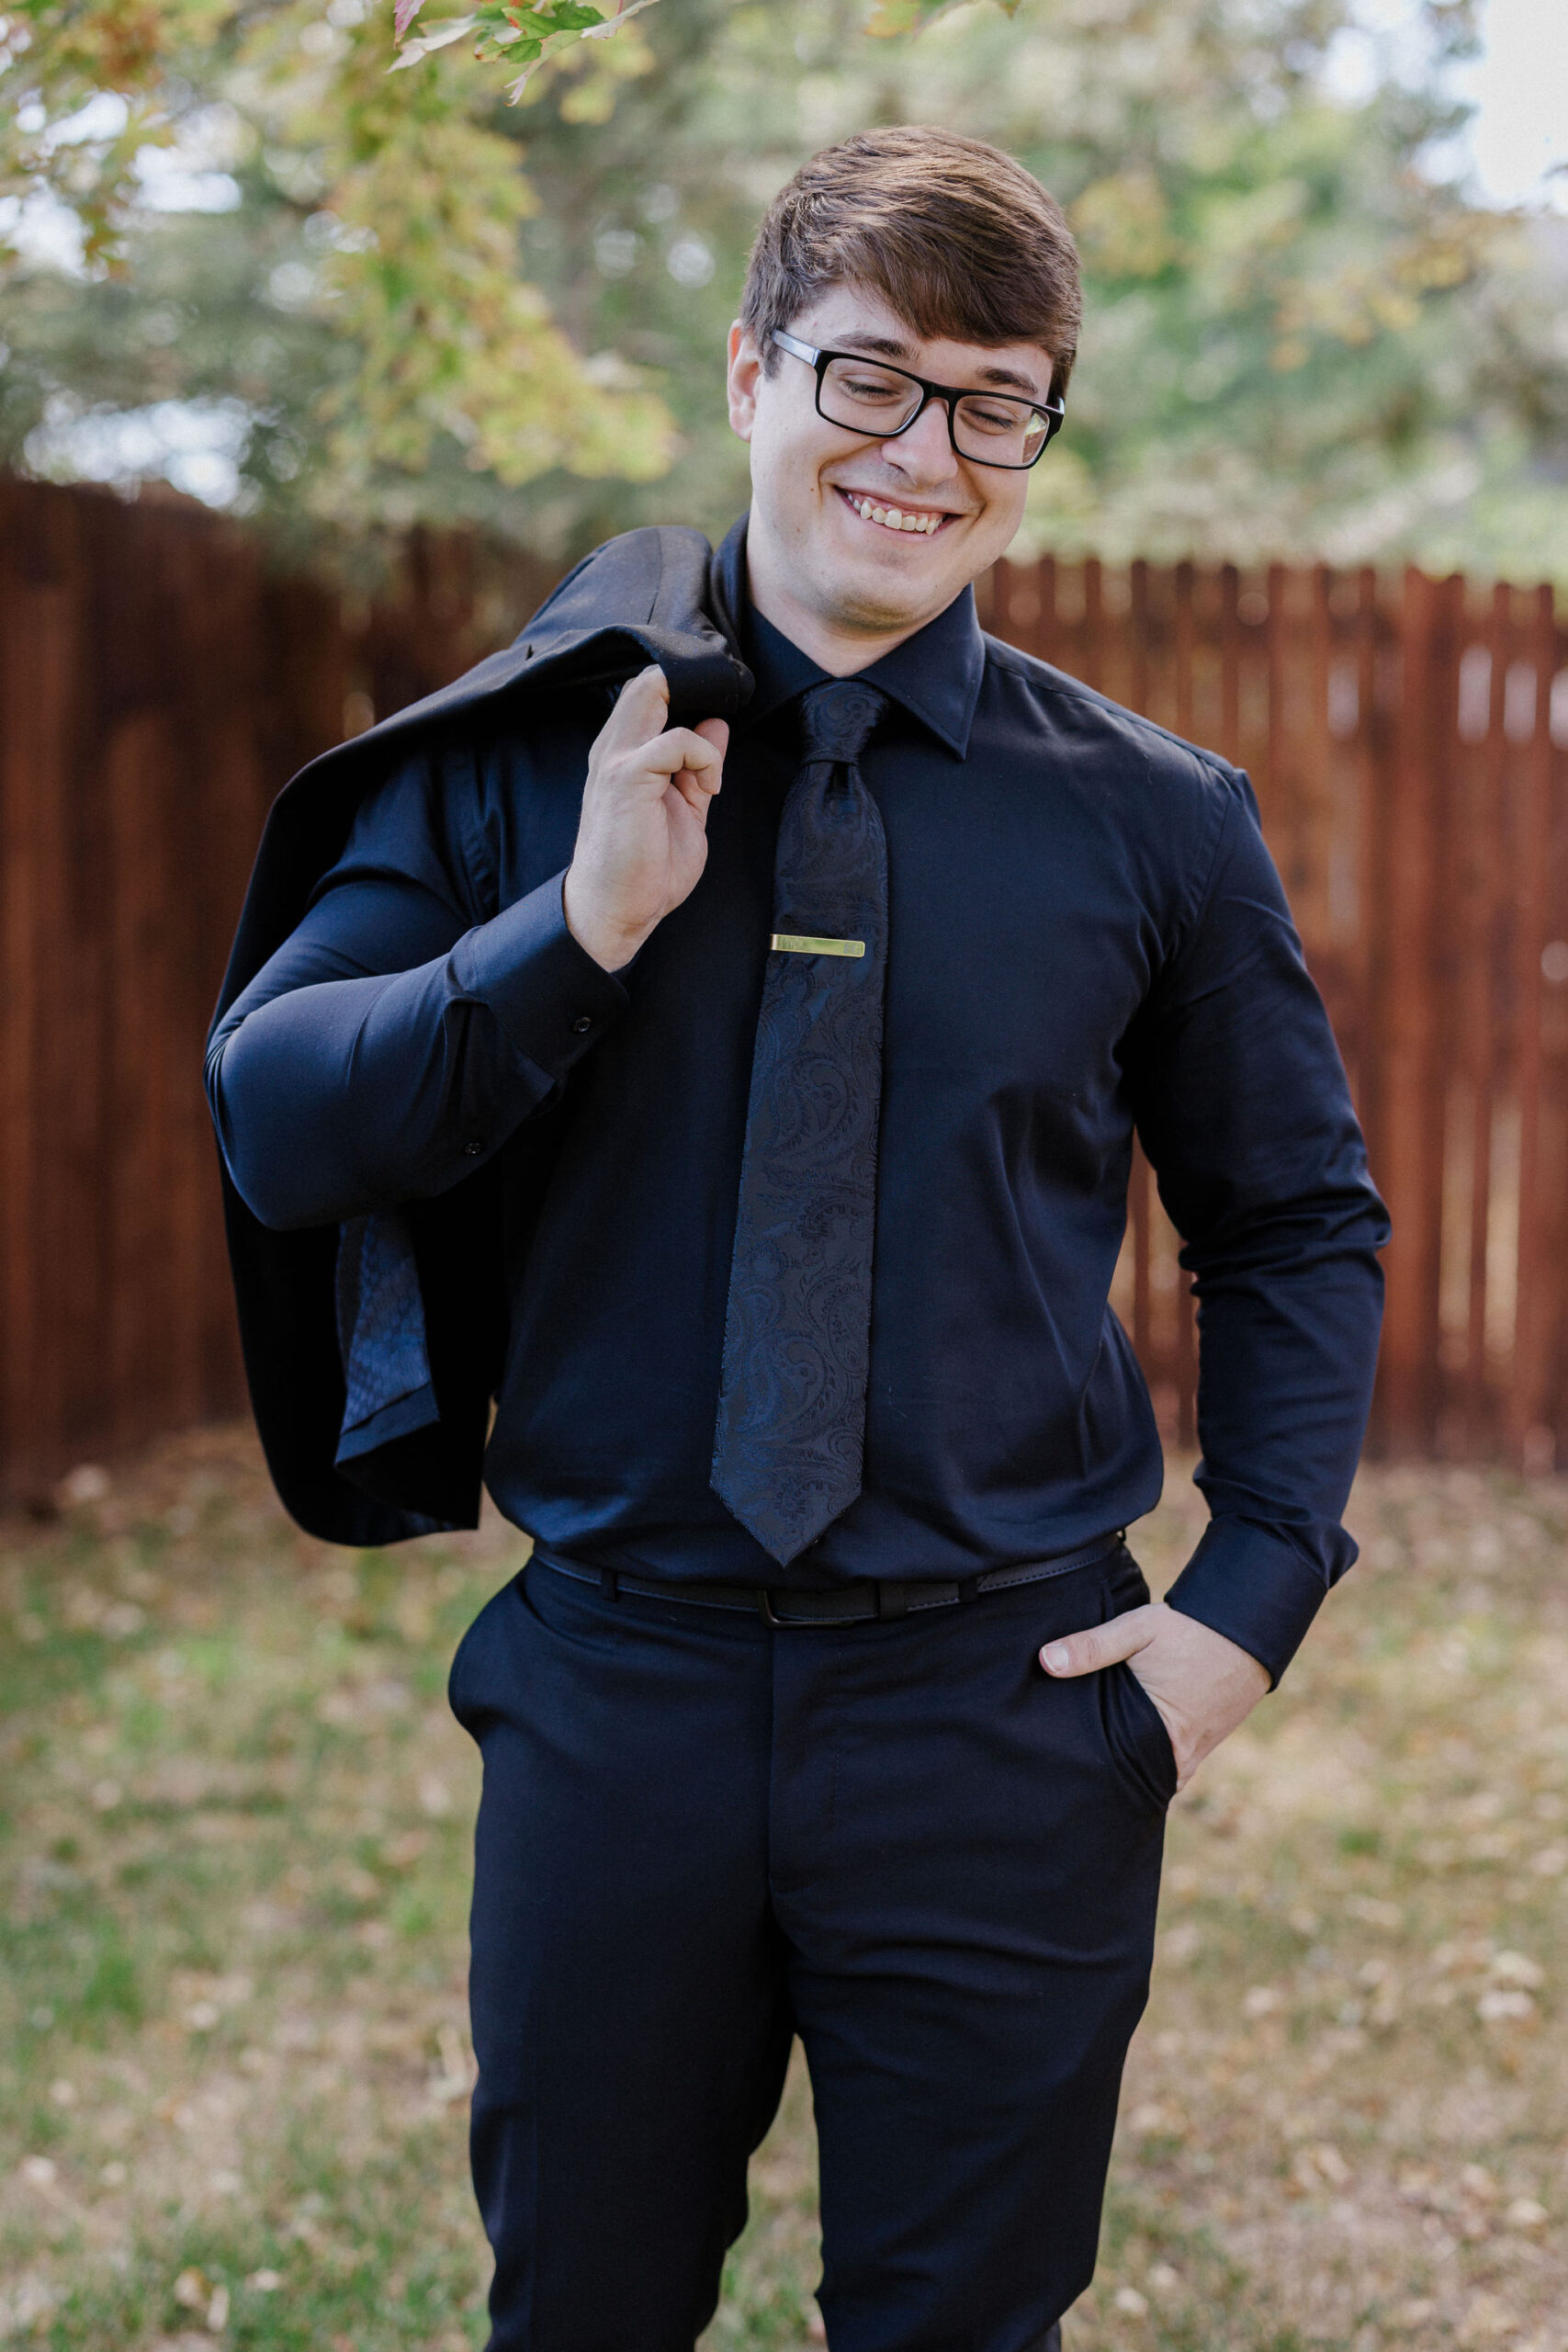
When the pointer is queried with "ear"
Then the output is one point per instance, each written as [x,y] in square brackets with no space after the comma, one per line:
[745,375]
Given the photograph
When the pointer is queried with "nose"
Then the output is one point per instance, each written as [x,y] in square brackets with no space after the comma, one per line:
[923,453]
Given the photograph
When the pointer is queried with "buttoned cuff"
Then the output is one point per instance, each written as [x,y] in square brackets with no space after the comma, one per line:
[1253,1586]
[549,996]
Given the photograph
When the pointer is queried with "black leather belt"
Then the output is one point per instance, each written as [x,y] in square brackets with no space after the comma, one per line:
[846,1604]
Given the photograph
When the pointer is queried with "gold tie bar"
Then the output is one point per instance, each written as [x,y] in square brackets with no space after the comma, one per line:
[790,943]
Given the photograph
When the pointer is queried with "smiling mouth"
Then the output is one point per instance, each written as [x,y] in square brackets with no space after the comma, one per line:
[926,523]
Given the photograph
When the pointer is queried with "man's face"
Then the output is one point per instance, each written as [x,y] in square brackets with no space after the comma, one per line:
[822,541]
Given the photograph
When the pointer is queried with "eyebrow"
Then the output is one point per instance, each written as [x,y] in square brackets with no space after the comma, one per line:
[889,346]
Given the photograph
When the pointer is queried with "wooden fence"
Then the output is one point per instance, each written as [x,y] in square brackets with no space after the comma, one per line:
[1409,742]
[1408,739]
[157,686]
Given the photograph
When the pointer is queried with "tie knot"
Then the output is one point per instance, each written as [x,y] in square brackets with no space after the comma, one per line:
[837,719]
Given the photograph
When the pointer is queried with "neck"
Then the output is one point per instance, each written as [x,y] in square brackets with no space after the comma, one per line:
[837,646]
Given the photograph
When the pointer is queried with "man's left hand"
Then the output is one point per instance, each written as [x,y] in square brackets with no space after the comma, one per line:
[1202,1684]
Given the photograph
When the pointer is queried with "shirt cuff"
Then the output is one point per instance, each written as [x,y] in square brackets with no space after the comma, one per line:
[546,990]
[1251,1585]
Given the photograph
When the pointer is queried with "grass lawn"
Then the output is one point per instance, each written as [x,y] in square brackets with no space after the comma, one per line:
[234,2047]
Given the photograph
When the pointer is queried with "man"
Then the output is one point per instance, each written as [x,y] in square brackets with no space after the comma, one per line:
[749,1113]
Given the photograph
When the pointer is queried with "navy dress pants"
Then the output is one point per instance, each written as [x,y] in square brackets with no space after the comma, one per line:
[902,1841]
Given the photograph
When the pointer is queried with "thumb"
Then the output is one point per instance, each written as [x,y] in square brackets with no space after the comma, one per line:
[1099,1646]
[715,731]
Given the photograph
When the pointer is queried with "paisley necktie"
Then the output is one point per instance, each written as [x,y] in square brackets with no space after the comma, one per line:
[791,1426]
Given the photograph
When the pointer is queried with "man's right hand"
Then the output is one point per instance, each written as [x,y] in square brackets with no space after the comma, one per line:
[642,839]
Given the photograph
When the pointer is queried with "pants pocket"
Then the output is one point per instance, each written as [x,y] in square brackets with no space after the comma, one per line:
[1136,1736]
[462,1696]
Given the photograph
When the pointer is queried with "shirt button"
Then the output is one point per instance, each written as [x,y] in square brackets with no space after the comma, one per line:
[583,1023]
[472,1151]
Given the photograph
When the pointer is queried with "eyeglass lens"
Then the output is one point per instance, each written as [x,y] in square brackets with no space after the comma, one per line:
[987,426]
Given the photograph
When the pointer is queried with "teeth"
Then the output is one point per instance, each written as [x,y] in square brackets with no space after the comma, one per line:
[893,519]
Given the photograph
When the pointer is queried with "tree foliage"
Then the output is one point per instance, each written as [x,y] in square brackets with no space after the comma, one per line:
[381,216]
[1298,339]
[434,293]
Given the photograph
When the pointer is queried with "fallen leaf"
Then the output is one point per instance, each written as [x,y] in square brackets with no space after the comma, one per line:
[400,1853]
[86,1483]
[1504,2003]
[1321,2166]
[1373,1911]
[457,2070]
[1487,2319]
[1518,1967]
[1154,2121]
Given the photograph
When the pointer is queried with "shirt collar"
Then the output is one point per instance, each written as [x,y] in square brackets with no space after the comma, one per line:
[934,676]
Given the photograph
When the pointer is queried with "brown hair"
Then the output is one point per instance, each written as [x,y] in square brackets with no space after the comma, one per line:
[956,237]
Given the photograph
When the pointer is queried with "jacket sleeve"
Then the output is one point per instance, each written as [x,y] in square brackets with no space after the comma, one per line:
[1243,1108]
[397,1040]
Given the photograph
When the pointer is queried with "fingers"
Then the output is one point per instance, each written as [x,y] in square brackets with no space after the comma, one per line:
[637,739]
[640,717]
[639,753]
[640,711]
[697,789]
[692,761]
[684,748]
[1099,1646]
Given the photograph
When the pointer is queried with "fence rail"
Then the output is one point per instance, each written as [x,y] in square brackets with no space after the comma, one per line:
[1408,739]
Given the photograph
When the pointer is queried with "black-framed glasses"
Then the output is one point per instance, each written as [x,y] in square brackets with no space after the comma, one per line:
[868,396]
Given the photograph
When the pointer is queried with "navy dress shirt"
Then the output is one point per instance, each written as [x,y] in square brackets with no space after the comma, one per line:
[1087,937]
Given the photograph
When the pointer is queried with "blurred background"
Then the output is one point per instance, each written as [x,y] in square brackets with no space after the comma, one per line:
[1326,242]
[313,377]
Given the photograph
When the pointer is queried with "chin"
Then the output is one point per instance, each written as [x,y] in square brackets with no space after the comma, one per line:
[879,590]
[878,604]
